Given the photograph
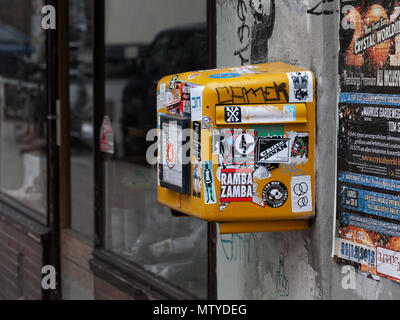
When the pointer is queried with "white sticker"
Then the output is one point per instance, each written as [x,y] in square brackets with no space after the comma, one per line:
[196,102]
[300,86]
[350,251]
[258,201]
[162,90]
[388,262]
[261,173]
[301,194]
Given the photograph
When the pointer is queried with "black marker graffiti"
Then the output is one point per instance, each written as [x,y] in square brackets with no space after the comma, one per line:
[314,11]
[242,31]
[261,30]
[241,95]
[300,188]
[302,202]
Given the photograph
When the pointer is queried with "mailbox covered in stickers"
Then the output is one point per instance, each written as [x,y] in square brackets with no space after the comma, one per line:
[236,146]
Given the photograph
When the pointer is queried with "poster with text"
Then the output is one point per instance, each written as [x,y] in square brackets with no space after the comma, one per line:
[367,220]
[370,46]
[367,231]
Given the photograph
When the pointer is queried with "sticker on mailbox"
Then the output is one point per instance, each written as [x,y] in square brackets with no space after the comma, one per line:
[236,184]
[275,194]
[233,114]
[300,86]
[208,181]
[301,194]
[299,146]
[197,180]
[273,150]
[196,102]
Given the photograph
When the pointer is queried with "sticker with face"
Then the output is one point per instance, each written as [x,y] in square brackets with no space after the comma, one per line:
[275,194]
[299,146]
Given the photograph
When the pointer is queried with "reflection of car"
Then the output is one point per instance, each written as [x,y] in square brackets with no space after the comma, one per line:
[15,49]
[172,51]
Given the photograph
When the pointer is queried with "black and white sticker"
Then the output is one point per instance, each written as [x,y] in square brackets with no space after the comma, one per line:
[273,150]
[233,114]
[173,81]
[300,86]
[301,194]
[275,194]
[197,140]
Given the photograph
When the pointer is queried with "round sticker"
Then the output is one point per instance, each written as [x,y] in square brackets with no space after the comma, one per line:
[206,123]
[275,194]
[245,144]
[225,75]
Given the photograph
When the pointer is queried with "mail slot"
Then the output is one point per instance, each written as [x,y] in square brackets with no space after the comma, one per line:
[236,146]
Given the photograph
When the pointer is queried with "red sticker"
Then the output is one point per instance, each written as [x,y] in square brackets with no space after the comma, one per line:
[236,185]
[106,136]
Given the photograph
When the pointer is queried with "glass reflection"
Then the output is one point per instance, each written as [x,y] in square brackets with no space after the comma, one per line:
[23,160]
[81,116]
[137,227]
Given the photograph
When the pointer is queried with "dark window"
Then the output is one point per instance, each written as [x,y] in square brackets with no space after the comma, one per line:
[146,40]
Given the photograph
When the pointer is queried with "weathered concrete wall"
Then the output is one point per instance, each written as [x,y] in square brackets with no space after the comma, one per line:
[292,265]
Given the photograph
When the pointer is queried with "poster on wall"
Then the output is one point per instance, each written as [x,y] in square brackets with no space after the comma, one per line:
[369,59]
[367,220]
[368,186]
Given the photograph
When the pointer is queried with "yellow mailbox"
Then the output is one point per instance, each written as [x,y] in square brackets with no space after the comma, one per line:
[236,146]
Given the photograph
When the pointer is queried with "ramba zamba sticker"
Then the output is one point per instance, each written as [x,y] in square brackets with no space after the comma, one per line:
[236,184]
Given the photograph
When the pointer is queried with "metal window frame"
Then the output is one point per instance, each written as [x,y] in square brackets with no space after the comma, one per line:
[109,265]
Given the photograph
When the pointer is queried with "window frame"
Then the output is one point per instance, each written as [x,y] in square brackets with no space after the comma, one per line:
[109,265]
